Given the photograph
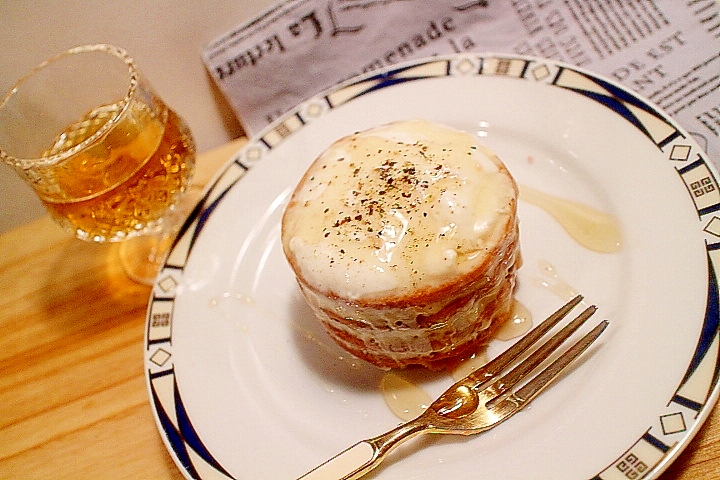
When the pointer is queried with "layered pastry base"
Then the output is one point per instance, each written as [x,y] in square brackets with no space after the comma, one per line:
[404,241]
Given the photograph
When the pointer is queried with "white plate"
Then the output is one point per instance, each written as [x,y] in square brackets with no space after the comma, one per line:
[245,384]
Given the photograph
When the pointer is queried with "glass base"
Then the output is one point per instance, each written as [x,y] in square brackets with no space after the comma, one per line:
[142,257]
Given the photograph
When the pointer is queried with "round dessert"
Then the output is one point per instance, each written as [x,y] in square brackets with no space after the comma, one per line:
[404,241]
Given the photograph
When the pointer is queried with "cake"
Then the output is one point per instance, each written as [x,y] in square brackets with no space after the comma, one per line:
[404,242]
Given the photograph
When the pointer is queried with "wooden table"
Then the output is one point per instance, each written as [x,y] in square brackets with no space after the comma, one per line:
[73,401]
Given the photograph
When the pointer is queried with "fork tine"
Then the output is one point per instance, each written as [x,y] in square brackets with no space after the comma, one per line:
[524,368]
[501,362]
[543,379]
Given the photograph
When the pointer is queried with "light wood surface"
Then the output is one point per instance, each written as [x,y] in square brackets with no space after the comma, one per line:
[73,401]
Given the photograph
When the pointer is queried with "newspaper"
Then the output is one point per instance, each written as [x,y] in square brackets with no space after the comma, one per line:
[666,50]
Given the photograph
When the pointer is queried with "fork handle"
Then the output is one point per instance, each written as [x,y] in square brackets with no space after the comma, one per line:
[348,464]
[365,455]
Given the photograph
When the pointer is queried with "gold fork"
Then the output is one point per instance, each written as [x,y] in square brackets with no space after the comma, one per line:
[479,401]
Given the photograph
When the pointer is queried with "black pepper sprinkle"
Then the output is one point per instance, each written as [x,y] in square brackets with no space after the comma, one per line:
[390,187]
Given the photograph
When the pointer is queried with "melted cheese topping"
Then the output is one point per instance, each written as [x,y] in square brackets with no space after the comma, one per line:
[396,208]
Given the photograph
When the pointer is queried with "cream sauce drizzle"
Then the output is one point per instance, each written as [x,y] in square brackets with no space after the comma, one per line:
[227,303]
[553,282]
[405,399]
[466,367]
[591,228]
[519,324]
[237,297]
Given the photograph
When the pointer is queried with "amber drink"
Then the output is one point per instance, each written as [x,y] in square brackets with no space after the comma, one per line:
[127,182]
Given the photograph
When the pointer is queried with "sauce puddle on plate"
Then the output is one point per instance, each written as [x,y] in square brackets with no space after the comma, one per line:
[591,228]
[405,399]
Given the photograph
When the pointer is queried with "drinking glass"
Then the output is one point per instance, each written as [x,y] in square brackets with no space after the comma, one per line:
[106,156]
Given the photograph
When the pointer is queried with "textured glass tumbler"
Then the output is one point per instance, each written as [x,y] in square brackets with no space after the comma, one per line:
[108,159]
